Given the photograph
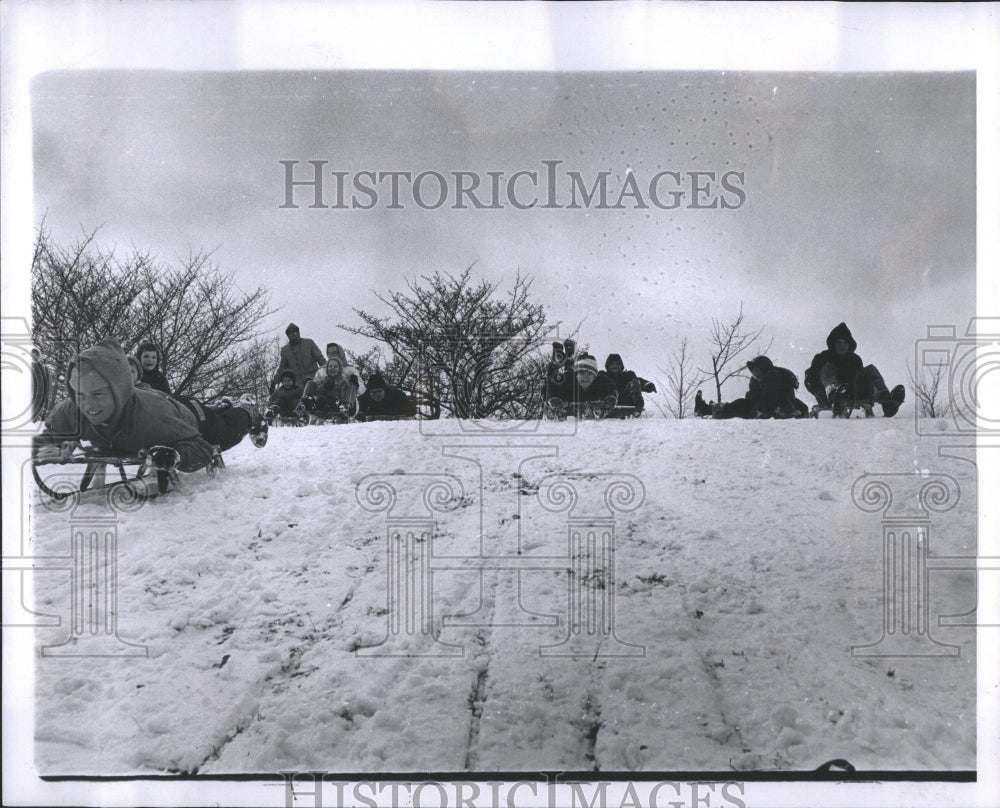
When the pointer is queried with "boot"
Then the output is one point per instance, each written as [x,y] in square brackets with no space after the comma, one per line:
[896,397]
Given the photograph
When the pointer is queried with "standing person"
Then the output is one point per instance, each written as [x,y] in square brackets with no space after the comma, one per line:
[629,386]
[148,355]
[837,376]
[300,355]
[105,409]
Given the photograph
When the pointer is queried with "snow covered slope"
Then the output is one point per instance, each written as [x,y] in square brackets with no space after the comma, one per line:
[723,573]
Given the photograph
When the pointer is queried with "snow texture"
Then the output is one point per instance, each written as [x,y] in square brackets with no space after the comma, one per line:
[742,579]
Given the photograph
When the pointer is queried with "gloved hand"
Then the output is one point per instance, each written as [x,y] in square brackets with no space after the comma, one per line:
[56,451]
[610,401]
[649,387]
[308,403]
[354,381]
[163,458]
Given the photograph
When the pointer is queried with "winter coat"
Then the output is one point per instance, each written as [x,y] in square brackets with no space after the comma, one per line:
[152,378]
[141,418]
[773,392]
[286,398]
[304,358]
[629,386]
[846,366]
[342,388]
[395,402]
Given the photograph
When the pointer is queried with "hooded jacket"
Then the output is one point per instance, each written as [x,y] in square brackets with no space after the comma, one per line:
[303,357]
[140,419]
[622,379]
[847,367]
[775,388]
[153,378]
[395,402]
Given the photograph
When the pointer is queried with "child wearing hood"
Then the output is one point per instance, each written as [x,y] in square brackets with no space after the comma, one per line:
[382,399]
[148,355]
[106,409]
[336,386]
[837,376]
[629,386]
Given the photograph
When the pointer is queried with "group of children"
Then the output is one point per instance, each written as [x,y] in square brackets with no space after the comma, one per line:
[837,377]
[572,380]
[123,404]
[309,385]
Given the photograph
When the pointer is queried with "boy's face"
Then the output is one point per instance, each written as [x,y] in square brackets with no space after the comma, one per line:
[148,359]
[136,373]
[615,367]
[377,394]
[585,378]
[287,382]
[94,397]
[840,346]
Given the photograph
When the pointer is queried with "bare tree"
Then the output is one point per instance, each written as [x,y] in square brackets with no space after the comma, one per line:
[460,348]
[729,342]
[932,401]
[209,332]
[682,381]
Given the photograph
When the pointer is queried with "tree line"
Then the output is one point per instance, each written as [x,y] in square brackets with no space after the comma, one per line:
[463,348]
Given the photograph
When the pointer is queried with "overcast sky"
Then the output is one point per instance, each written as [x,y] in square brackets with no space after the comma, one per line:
[856,194]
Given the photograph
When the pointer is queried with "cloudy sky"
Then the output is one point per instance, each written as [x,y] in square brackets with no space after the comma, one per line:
[857,204]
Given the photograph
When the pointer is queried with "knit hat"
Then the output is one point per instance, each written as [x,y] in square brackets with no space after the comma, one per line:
[287,373]
[376,380]
[586,362]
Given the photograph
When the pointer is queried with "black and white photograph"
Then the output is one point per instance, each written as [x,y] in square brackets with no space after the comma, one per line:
[500,404]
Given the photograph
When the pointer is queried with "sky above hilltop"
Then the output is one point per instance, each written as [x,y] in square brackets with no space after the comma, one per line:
[859,194]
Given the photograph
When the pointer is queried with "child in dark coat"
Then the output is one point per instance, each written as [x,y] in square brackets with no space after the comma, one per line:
[286,395]
[148,355]
[837,376]
[382,399]
[628,385]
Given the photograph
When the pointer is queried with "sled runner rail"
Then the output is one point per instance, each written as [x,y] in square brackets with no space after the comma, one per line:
[846,409]
[95,465]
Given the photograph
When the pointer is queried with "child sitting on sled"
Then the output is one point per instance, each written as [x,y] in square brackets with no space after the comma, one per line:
[628,385]
[286,396]
[837,376]
[105,409]
[335,387]
[771,395]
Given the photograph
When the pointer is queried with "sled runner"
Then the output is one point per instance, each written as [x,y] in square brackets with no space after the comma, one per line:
[315,413]
[371,418]
[585,410]
[845,409]
[96,464]
[275,418]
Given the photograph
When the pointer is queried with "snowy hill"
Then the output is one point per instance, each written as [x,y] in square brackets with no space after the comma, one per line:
[715,576]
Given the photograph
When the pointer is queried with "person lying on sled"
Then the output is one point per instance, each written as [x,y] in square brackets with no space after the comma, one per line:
[286,396]
[105,409]
[585,385]
[628,385]
[837,376]
[382,399]
[771,395]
